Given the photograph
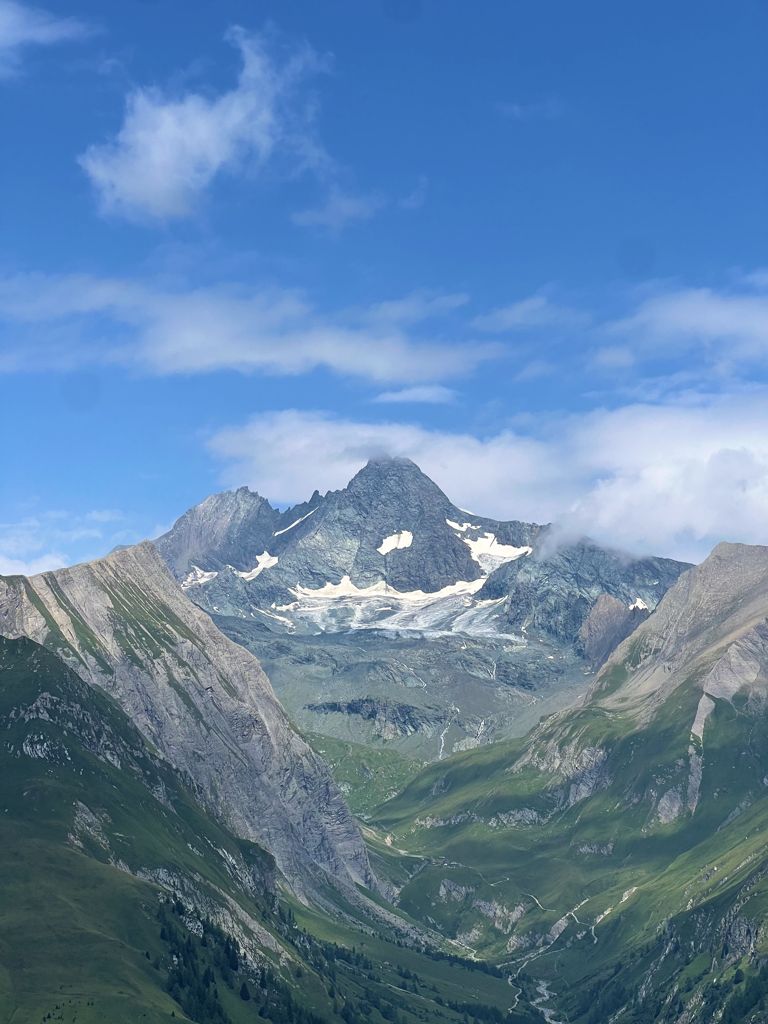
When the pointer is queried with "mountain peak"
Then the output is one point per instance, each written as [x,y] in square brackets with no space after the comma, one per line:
[395,474]
[391,460]
[231,527]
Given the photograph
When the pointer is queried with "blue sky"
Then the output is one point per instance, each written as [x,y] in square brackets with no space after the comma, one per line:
[256,243]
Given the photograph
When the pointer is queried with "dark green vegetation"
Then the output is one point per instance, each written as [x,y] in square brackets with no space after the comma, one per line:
[121,901]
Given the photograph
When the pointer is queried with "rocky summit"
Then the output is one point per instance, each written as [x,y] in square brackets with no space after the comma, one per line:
[386,615]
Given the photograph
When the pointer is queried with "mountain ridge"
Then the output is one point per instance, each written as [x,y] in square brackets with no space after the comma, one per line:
[202,700]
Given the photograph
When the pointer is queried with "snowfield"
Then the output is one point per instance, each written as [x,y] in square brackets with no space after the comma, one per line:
[395,542]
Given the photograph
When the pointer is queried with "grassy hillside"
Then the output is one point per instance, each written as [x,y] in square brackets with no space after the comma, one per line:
[567,858]
[366,776]
[121,901]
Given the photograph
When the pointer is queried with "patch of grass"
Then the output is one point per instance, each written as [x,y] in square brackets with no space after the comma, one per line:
[365,775]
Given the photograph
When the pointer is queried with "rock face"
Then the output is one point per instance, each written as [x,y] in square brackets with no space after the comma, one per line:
[386,593]
[609,622]
[389,719]
[557,591]
[230,528]
[203,701]
[711,626]
[390,525]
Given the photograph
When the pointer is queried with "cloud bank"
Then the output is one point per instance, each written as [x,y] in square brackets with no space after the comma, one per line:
[46,540]
[668,479]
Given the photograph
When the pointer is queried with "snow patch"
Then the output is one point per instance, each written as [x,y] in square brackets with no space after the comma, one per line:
[279,533]
[197,577]
[461,527]
[263,561]
[346,588]
[490,554]
[395,542]
[640,604]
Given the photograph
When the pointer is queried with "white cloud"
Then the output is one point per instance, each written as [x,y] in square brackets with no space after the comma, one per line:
[170,148]
[105,515]
[338,210]
[535,370]
[758,279]
[730,324]
[534,311]
[22,26]
[23,567]
[670,341]
[669,479]
[433,394]
[206,329]
[290,451]
[614,357]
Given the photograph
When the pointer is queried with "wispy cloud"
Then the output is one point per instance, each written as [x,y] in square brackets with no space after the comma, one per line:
[423,338]
[171,147]
[669,478]
[338,210]
[534,311]
[61,322]
[415,200]
[430,394]
[22,26]
[341,208]
[414,308]
[730,324]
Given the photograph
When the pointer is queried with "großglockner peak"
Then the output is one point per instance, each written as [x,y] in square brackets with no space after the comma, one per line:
[391,525]
[338,595]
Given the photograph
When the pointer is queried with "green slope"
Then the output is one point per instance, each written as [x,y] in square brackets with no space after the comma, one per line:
[366,776]
[568,859]
[121,901]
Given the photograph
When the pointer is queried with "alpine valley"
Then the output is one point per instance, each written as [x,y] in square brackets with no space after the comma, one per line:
[378,758]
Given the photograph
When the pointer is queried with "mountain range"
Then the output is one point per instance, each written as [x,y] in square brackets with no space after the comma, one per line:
[356,602]
[503,775]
